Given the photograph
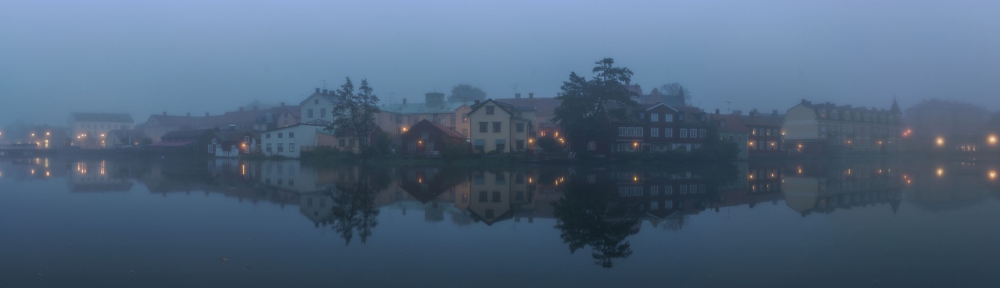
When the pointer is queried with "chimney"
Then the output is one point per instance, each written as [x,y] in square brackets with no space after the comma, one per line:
[517,95]
[206,114]
[477,102]
[188,114]
[325,92]
[404,101]
[282,104]
[717,111]
[241,109]
[531,95]
[164,113]
[774,113]
[317,90]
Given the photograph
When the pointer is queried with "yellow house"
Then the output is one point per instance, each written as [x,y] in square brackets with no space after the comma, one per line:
[823,127]
[90,130]
[496,196]
[501,127]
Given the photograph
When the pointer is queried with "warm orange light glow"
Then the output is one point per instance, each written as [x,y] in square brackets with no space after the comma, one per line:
[32,134]
[420,180]
[47,134]
[557,134]
[635,178]
[993,175]
[404,129]
[940,172]
[993,139]
[529,180]
[940,141]
[531,140]
[46,173]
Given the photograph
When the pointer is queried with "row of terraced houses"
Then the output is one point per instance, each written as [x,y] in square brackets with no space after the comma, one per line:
[501,125]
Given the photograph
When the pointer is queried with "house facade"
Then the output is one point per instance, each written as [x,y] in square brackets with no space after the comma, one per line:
[764,133]
[289,141]
[90,130]
[661,127]
[731,129]
[318,107]
[328,138]
[825,127]
[233,143]
[242,119]
[544,122]
[427,138]
[501,127]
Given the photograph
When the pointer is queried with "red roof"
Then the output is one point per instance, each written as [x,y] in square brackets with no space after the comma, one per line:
[447,131]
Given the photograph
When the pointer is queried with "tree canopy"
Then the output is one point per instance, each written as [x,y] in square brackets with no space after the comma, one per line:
[466,93]
[676,89]
[354,115]
[587,105]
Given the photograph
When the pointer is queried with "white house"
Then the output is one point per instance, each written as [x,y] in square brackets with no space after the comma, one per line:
[289,141]
[318,107]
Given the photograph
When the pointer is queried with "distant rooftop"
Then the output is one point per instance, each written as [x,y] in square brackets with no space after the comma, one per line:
[102,117]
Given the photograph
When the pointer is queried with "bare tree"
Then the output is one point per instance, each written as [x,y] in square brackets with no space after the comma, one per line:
[676,89]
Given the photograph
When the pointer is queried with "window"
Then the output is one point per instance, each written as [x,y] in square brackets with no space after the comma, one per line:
[483,127]
[684,189]
[702,133]
[501,179]
[496,196]
[519,144]
[281,147]
[322,112]
[483,196]
[642,115]
[291,134]
[693,133]
[341,142]
[668,132]
[654,132]
[668,190]
[501,143]
[684,133]
[291,147]
[215,140]
[424,135]
[496,127]
[268,135]
[489,110]
[655,117]
[316,101]
[268,149]
[480,145]
[668,117]
[411,147]
[654,191]
[622,131]
[489,213]
[592,145]
[280,135]
[211,148]
[246,139]
[452,119]
[309,113]
[520,127]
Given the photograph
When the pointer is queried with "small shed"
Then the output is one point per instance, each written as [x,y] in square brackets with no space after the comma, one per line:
[429,139]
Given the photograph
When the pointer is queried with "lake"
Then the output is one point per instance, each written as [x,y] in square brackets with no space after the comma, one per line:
[229,223]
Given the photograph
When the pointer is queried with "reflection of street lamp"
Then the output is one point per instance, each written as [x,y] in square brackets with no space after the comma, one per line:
[940,172]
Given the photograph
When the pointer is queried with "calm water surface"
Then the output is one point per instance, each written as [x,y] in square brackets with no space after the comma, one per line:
[166,223]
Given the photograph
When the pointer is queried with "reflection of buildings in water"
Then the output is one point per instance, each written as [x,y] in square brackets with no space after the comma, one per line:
[100,176]
[825,187]
[948,186]
[228,177]
[35,168]
[496,195]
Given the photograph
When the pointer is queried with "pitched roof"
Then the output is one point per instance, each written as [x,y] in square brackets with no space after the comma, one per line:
[447,131]
[133,133]
[422,108]
[212,121]
[543,106]
[505,106]
[102,117]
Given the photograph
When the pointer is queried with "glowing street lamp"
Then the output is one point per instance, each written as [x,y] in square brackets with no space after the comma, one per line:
[993,175]
[992,140]
[940,172]
[940,141]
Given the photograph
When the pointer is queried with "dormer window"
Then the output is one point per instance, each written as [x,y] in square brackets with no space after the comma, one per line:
[316,101]
[489,110]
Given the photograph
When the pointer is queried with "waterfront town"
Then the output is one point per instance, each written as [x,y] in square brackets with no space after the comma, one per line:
[433,125]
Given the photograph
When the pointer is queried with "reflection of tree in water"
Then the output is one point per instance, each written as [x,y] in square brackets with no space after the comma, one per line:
[588,217]
[354,208]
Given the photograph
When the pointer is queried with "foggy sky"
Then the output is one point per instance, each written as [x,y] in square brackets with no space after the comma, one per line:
[187,56]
